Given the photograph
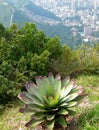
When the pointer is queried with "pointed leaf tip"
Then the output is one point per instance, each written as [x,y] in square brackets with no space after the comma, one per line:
[29,123]
[50,117]
[22,110]
[50,74]
[27,84]
[58,77]
[36,78]
[50,124]
[21,95]
[67,77]
[62,121]
[34,122]
[40,77]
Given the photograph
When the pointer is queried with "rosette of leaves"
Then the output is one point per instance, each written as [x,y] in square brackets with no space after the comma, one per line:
[50,100]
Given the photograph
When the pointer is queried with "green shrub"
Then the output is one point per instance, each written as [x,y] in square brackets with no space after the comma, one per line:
[25,54]
[83,60]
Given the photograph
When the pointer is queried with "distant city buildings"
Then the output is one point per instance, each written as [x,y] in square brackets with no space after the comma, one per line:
[88,30]
[75,13]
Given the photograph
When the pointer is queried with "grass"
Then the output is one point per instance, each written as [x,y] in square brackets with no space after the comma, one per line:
[89,114]
[11,119]
[87,117]
[91,85]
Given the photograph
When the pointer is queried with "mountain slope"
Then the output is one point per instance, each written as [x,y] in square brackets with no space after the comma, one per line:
[20,18]
[24,11]
[5,14]
[40,11]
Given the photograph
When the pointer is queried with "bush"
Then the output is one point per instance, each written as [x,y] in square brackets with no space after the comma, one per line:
[26,54]
[83,60]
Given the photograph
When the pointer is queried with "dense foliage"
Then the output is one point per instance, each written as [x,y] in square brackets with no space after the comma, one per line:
[27,52]
[24,53]
[83,60]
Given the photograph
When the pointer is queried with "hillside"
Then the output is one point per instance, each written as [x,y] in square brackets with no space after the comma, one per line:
[37,10]
[24,11]
[63,32]
[20,18]
[18,3]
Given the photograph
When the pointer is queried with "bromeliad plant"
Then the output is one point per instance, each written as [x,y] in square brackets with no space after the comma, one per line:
[50,100]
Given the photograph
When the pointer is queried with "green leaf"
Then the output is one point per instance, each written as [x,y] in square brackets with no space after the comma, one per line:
[58,77]
[34,91]
[51,79]
[50,101]
[28,96]
[53,101]
[71,112]
[62,111]
[71,97]
[31,88]
[24,96]
[50,124]
[74,90]
[63,100]
[42,82]
[50,117]
[68,98]
[46,101]
[72,104]
[79,98]
[25,110]
[66,90]
[63,104]
[51,92]
[36,107]
[38,115]
[54,109]
[65,82]
[61,120]
[57,84]
[34,122]
[37,98]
